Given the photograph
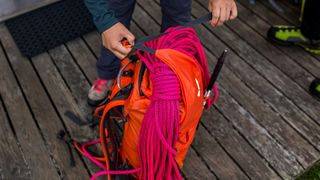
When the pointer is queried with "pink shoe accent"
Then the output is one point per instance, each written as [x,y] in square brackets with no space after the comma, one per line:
[99,84]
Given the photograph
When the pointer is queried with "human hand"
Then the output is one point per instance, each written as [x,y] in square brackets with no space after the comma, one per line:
[222,10]
[112,37]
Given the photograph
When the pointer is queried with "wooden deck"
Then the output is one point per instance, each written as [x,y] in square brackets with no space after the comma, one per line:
[265,125]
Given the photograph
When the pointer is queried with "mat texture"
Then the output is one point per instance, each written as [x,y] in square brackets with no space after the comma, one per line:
[50,26]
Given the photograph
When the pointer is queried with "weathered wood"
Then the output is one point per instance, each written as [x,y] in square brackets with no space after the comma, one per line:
[93,39]
[63,100]
[245,156]
[282,160]
[194,168]
[73,76]
[288,15]
[44,112]
[264,13]
[27,133]
[300,56]
[147,26]
[216,158]
[12,162]
[294,116]
[257,127]
[291,5]
[84,57]
[290,89]
[300,97]
[271,17]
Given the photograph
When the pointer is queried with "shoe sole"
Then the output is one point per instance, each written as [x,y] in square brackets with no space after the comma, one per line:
[283,43]
[96,103]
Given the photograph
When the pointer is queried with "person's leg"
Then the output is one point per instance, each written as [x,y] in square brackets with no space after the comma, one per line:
[108,64]
[310,26]
[175,12]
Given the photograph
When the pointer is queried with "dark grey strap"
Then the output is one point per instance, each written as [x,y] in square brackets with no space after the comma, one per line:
[139,44]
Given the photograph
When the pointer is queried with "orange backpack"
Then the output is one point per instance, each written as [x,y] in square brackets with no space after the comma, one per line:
[122,116]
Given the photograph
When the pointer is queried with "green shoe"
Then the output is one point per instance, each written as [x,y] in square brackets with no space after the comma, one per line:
[315,87]
[290,35]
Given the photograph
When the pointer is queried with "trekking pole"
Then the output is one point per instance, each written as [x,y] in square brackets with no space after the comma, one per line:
[215,74]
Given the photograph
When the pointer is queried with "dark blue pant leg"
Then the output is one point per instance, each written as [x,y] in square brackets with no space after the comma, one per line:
[175,12]
[108,64]
[310,25]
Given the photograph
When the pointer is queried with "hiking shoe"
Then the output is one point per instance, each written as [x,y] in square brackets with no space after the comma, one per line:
[290,35]
[99,91]
[315,87]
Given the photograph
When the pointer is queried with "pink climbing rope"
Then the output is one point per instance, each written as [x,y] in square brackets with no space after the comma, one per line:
[160,126]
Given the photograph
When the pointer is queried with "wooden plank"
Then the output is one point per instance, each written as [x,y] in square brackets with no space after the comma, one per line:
[217,159]
[27,133]
[12,162]
[281,159]
[84,57]
[44,112]
[72,75]
[286,108]
[290,4]
[93,39]
[297,119]
[247,157]
[194,168]
[263,12]
[271,17]
[287,14]
[266,137]
[63,100]
[303,58]
[300,97]
[270,52]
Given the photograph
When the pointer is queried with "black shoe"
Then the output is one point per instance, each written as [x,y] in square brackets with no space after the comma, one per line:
[315,88]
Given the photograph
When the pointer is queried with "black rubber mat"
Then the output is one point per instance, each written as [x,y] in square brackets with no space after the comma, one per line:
[50,26]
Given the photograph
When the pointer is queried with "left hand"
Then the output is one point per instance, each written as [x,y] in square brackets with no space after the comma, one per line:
[222,11]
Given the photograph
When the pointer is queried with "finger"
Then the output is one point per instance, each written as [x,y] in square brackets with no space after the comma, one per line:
[222,18]
[130,37]
[122,50]
[234,11]
[215,16]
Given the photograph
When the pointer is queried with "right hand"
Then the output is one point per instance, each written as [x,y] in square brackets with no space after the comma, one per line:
[112,37]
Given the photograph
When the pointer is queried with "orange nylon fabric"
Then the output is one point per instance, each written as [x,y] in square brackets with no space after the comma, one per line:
[191,105]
